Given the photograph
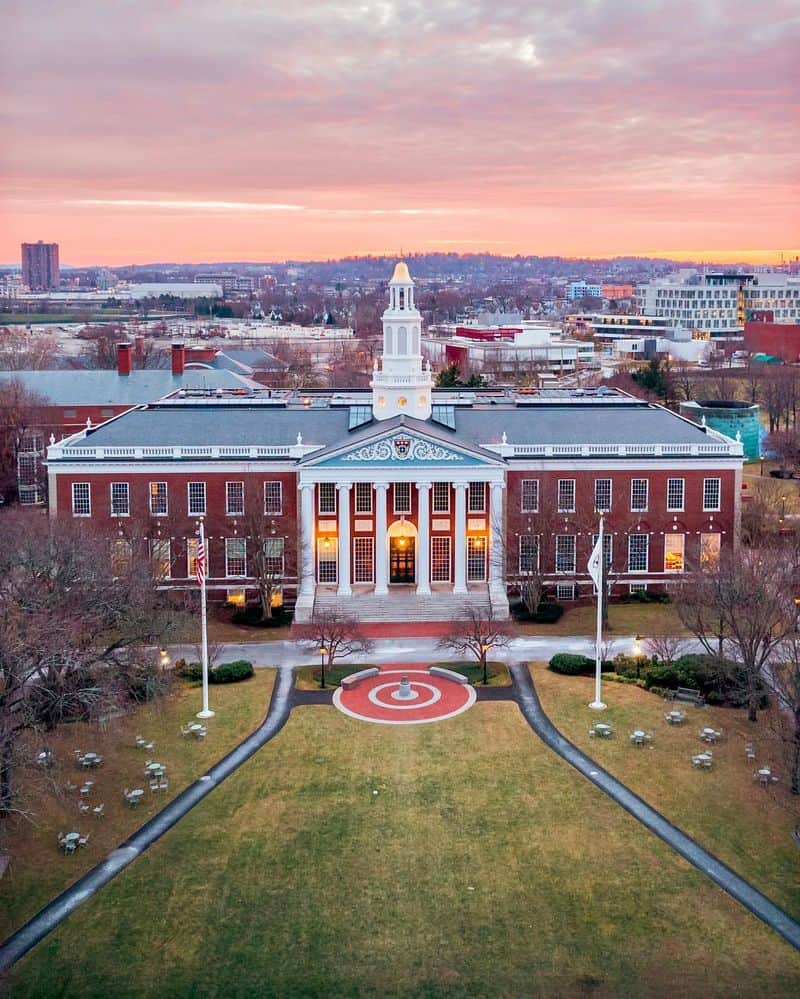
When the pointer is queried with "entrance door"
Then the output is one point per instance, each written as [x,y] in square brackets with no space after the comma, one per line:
[402,559]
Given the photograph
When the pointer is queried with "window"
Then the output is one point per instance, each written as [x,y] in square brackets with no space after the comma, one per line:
[120,499]
[197,498]
[530,496]
[709,550]
[565,553]
[602,495]
[639,495]
[191,558]
[234,498]
[363,497]
[607,547]
[675,494]
[273,497]
[637,587]
[711,494]
[273,556]
[440,559]
[235,557]
[402,497]
[328,562]
[441,497]
[477,497]
[528,554]
[673,552]
[363,560]
[158,499]
[121,555]
[566,495]
[565,591]
[327,498]
[161,557]
[638,547]
[81,499]
[476,558]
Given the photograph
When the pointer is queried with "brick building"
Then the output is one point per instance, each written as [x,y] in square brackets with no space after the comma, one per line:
[410,498]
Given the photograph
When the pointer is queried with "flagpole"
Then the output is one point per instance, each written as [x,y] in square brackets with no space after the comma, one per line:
[597,703]
[206,712]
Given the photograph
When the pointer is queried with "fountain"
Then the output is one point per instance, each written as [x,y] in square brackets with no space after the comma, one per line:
[404,692]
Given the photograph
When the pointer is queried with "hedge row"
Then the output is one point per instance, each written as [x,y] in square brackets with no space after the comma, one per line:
[239,669]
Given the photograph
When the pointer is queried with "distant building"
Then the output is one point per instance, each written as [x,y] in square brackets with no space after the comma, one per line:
[580,289]
[40,266]
[713,306]
[774,339]
[175,289]
[229,283]
[616,292]
[104,279]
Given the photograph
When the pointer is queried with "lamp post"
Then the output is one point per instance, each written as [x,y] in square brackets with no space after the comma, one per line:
[761,459]
[322,654]
[484,651]
[637,653]
[783,509]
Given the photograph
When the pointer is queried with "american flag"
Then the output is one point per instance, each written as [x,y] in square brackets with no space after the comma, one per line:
[201,558]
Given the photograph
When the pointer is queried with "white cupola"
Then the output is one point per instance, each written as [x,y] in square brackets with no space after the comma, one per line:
[402,384]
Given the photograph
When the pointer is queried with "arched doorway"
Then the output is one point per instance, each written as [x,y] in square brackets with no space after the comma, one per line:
[402,537]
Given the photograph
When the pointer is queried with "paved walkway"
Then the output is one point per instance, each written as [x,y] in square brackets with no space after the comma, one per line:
[704,861]
[48,918]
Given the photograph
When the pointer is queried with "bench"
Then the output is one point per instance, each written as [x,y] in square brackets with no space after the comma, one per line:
[350,681]
[688,695]
[447,674]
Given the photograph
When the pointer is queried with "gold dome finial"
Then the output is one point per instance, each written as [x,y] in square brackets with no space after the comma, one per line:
[401,275]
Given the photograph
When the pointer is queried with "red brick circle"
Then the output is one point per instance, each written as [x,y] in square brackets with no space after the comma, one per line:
[439,698]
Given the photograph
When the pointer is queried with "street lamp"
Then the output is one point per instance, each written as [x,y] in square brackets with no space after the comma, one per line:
[761,459]
[322,654]
[484,651]
[783,509]
[637,653]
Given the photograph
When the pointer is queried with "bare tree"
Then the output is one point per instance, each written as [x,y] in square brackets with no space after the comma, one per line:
[21,350]
[271,549]
[335,635]
[665,648]
[476,634]
[22,416]
[782,677]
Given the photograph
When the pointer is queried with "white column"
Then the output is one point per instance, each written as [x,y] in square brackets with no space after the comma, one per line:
[381,571]
[460,539]
[497,537]
[423,538]
[343,489]
[305,564]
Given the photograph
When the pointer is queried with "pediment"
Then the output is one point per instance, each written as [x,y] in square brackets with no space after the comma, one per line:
[402,446]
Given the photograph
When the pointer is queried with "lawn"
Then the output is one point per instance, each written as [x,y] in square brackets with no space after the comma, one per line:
[38,870]
[624,619]
[746,826]
[307,677]
[484,866]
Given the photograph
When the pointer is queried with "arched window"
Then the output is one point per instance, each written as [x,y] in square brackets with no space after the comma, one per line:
[402,340]
[402,298]
[388,341]
[415,340]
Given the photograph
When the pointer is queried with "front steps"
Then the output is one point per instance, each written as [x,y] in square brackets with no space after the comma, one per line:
[402,604]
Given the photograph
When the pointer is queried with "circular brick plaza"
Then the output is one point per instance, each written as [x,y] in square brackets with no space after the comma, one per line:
[426,698]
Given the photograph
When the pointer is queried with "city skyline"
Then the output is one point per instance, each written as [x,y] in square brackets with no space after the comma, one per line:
[188,133]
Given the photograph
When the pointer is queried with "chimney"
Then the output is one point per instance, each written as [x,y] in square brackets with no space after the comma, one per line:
[178,358]
[123,358]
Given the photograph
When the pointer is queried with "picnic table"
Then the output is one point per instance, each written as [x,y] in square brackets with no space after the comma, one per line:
[69,841]
[89,760]
[703,761]
[709,735]
[602,730]
[45,759]
[135,796]
[764,776]
[195,729]
[675,717]
[639,737]
[154,770]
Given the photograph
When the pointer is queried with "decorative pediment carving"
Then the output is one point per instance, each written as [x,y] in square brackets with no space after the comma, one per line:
[402,448]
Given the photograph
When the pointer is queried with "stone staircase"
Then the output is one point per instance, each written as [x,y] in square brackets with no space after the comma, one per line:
[405,605]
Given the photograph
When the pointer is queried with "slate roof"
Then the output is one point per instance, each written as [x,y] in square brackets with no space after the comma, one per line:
[245,422]
[107,388]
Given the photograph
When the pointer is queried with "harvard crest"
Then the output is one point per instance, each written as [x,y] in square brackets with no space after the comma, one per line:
[402,446]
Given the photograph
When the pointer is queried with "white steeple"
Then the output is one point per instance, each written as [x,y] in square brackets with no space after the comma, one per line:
[403,383]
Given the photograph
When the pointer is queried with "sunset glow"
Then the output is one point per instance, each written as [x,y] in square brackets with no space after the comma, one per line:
[196,131]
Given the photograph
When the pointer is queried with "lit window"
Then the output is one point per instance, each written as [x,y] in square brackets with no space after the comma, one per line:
[191,558]
[566,495]
[675,494]
[234,498]
[673,552]
[327,559]
[476,559]
[235,557]
[197,498]
[121,555]
[120,499]
[639,495]
[709,550]
[711,494]
[160,557]
[81,499]
[158,499]
[273,497]
[529,496]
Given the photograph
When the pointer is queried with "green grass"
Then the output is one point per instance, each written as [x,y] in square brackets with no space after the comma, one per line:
[484,866]
[307,677]
[624,619]
[38,870]
[745,826]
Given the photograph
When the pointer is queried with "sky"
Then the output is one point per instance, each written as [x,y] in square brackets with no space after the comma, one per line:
[186,130]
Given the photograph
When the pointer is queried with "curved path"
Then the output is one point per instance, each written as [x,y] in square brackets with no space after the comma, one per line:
[48,918]
[704,861]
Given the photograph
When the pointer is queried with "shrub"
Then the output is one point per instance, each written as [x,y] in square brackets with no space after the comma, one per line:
[571,665]
[251,616]
[188,671]
[239,669]
[619,678]
[658,691]
[714,697]
[548,613]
